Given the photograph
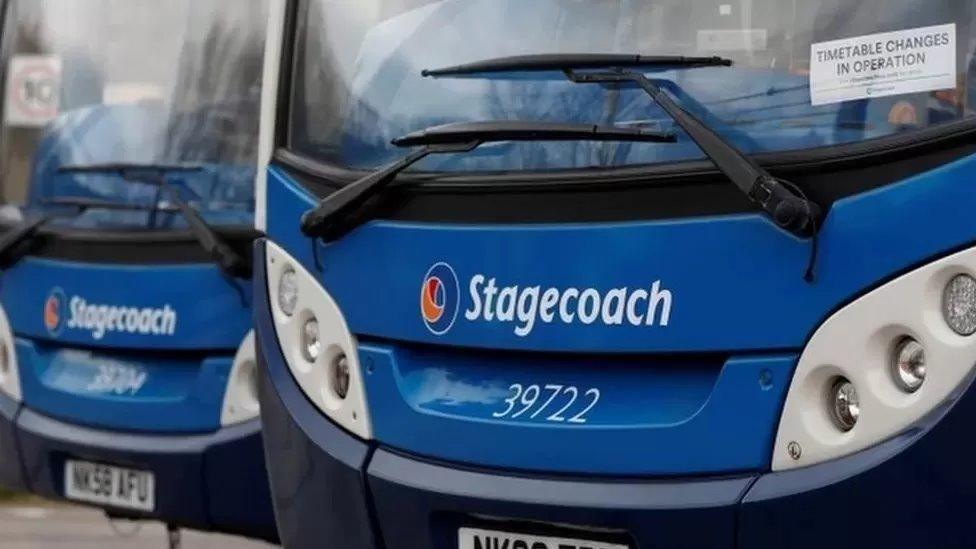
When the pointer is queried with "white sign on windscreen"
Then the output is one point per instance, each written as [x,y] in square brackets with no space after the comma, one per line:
[33,95]
[879,65]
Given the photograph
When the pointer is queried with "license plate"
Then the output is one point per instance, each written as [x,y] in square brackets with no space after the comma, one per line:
[109,485]
[474,538]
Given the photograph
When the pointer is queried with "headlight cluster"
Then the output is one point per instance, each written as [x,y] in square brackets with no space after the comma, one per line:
[9,373]
[319,348]
[881,363]
[241,397]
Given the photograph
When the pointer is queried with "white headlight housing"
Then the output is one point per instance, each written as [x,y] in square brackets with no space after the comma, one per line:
[904,350]
[241,397]
[321,352]
[9,372]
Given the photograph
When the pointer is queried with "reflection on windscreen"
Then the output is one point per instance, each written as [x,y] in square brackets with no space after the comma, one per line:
[358,83]
[132,81]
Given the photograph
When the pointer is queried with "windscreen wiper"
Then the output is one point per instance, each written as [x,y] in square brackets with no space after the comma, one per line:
[87,203]
[326,220]
[229,261]
[16,236]
[783,202]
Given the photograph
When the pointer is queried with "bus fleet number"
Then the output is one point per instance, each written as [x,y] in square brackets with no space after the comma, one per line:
[556,403]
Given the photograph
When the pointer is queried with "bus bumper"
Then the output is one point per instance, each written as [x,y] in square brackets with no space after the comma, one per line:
[334,490]
[212,481]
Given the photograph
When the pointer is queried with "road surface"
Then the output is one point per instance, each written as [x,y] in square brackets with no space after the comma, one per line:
[39,525]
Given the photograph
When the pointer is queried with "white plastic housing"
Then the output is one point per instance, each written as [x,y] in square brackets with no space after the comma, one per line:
[352,412]
[241,397]
[9,378]
[857,343]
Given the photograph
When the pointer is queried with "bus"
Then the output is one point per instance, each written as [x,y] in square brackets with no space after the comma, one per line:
[619,274]
[128,154]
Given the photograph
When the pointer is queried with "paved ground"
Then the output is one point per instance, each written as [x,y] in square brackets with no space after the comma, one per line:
[35,525]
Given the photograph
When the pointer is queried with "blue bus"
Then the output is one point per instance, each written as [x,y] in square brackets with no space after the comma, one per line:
[619,274]
[129,153]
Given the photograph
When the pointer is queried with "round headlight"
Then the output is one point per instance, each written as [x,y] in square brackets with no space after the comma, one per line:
[959,304]
[908,365]
[844,404]
[288,291]
[311,344]
[340,376]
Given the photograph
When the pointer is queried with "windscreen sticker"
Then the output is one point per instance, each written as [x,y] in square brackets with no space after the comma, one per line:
[33,95]
[879,65]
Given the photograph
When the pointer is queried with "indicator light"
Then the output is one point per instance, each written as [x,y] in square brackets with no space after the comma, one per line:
[4,359]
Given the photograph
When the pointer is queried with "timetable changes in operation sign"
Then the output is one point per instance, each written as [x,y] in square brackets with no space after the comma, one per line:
[879,65]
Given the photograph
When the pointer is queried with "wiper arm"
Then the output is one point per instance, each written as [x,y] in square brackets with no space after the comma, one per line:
[229,261]
[781,201]
[326,219]
[27,229]
[18,235]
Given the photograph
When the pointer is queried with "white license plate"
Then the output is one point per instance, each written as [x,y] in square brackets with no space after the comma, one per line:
[109,485]
[474,538]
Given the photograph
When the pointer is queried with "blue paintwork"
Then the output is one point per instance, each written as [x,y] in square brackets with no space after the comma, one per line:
[735,274]
[672,416]
[210,313]
[180,394]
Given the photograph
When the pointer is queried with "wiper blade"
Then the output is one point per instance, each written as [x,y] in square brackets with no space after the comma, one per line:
[326,219]
[576,61]
[229,261]
[781,201]
[527,131]
[98,204]
[122,169]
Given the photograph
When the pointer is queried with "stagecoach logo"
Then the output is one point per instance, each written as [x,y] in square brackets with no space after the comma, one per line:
[440,298]
[99,319]
[53,314]
[529,305]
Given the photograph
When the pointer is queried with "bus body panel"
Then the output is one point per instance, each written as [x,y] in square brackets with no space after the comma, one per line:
[866,240]
[420,503]
[190,307]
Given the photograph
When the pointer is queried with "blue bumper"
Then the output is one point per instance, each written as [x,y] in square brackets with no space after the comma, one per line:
[213,482]
[333,490]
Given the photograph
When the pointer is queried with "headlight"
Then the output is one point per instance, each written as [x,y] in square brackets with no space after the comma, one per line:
[311,343]
[241,395]
[9,372]
[880,364]
[321,352]
[844,405]
[908,365]
[959,304]
[339,375]
[287,292]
